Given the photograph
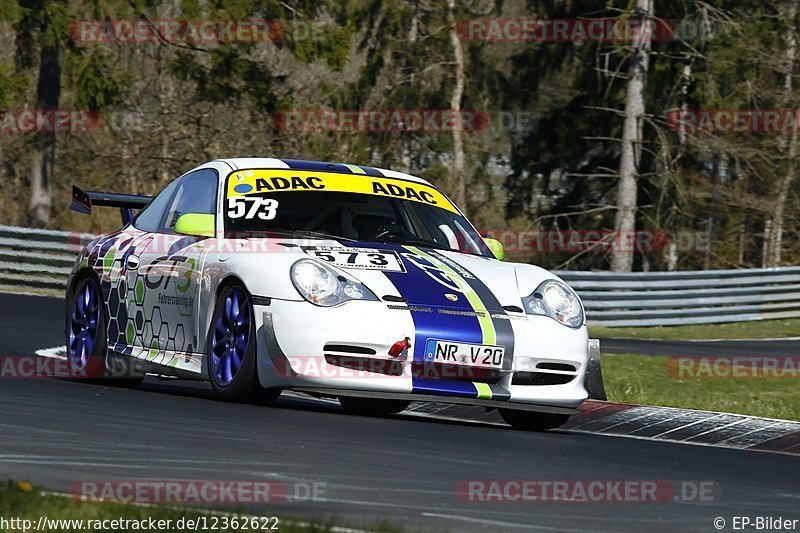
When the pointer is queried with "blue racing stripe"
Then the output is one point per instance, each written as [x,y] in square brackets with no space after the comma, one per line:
[301,164]
[441,387]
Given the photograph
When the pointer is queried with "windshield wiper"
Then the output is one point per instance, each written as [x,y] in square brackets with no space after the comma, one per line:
[307,233]
[417,242]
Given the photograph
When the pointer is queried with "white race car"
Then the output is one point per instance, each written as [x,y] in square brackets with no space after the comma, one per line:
[346,281]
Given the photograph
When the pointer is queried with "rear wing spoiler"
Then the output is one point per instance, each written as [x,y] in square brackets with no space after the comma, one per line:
[83,201]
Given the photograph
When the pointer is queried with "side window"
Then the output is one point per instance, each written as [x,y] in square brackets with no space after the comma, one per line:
[196,193]
[149,218]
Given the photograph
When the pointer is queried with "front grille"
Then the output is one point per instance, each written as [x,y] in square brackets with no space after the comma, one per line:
[540,378]
[461,313]
[414,308]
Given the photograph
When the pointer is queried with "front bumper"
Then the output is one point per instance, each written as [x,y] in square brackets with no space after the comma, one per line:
[344,351]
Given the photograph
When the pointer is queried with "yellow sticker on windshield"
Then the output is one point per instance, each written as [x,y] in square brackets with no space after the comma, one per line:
[259,181]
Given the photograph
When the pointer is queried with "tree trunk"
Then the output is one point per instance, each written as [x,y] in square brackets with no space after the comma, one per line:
[48,93]
[686,81]
[775,237]
[630,156]
[457,177]
[413,32]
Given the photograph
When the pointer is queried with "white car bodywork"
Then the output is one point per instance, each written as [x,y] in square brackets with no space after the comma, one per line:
[160,290]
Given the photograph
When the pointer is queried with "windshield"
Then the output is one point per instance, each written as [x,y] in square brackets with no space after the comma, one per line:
[356,207]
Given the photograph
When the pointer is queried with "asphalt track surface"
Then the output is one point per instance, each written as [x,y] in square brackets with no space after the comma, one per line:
[403,469]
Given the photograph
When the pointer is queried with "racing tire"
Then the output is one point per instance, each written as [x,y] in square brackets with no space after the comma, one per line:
[532,421]
[86,338]
[231,349]
[373,406]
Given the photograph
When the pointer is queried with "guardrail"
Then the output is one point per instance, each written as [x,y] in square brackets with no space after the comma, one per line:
[38,259]
[691,297]
[42,259]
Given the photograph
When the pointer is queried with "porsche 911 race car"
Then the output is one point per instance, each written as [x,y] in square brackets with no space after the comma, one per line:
[344,281]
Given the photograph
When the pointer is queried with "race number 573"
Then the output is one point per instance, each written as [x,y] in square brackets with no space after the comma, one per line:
[250,207]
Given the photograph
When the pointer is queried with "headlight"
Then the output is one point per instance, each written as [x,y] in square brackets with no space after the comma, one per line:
[321,285]
[555,299]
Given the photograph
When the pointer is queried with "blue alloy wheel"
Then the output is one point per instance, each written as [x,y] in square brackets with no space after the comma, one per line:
[230,336]
[83,325]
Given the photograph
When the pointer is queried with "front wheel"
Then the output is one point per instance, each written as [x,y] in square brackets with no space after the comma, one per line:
[532,421]
[373,406]
[231,351]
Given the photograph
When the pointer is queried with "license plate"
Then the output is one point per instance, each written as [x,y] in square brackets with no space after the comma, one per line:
[359,258]
[464,354]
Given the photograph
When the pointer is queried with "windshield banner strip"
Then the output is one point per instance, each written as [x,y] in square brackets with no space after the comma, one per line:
[260,181]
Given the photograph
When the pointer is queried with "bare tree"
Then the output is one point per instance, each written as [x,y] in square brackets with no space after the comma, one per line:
[774,225]
[630,156]
[48,92]
[457,177]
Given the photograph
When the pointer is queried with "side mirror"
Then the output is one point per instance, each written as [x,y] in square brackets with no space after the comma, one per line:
[496,248]
[197,224]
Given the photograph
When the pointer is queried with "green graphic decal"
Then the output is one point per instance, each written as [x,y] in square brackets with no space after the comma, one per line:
[153,350]
[183,287]
[108,261]
[139,291]
[484,391]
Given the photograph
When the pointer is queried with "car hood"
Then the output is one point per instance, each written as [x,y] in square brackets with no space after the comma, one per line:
[430,277]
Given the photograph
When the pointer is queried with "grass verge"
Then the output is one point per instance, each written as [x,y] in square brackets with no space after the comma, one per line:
[648,380]
[22,506]
[760,329]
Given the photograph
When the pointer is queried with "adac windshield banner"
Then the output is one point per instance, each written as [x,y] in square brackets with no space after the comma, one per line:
[260,181]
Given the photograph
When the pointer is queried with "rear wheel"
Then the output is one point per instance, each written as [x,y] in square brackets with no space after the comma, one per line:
[87,353]
[532,421]
[373,406]
[231,353]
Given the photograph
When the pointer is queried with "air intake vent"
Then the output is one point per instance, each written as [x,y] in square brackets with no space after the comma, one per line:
[365,364]
[563,367]
[541,378]
[348,348]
